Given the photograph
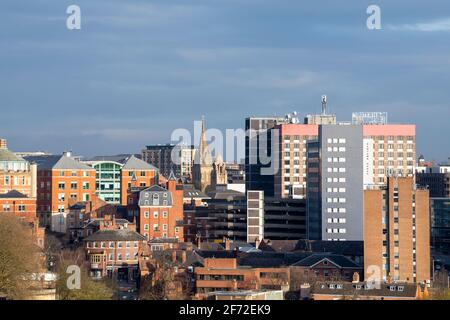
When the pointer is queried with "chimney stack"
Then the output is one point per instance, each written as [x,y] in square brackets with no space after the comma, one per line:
[199,242]
[183,256]
[227,244]
[257,243]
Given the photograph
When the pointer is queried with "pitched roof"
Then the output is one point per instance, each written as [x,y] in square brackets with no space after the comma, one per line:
[155,196]
[133,163]
[58,162]
[120,158]
[336,259]
[13,194]
[278,245]
[6,155]
[189,191]
[115,235]
[269,259]
[347,248]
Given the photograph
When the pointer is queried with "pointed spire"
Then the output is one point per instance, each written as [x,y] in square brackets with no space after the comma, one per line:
[205,155]
[172,176]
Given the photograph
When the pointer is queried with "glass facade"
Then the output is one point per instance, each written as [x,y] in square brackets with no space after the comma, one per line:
[108,181]
[440,224]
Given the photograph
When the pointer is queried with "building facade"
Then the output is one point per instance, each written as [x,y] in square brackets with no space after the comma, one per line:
[397,231]
[114,253]
[169,158]
[136,173]
[61,180]
[440,224]
[335,184]
[203,165]
[161,211]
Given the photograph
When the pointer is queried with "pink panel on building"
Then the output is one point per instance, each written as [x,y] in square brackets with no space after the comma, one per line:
[299,129]
[389,130]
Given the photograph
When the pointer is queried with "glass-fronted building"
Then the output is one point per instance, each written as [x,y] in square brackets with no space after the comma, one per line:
[108,180]
[440,224]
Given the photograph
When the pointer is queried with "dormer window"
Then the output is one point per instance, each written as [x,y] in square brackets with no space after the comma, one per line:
[391,288]
[400,288]
[156,199]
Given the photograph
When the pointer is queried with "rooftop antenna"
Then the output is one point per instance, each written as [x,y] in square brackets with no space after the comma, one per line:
[324,105]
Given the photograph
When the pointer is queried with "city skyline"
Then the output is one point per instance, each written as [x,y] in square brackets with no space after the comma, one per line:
[136,71]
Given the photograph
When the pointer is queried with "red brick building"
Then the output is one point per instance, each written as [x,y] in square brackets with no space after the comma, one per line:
[17,185]
[136,173]
[61,180]
[161,211]
[114,253]
[224,274]
[19,204]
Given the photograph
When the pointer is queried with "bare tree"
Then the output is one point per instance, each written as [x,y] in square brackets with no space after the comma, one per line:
[89,289]
[19,257]
[165,281]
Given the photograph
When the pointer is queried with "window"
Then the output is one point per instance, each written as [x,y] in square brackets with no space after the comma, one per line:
[119,257]
[111,244]
[155,214]
[146,214]
[119,244]
[111,257]
[165,214]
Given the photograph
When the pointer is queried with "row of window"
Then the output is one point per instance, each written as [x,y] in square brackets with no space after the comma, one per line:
[337,220]
[337,140]
[19,208]
[336,200]
[71,173]
[336,230]
[15,181]
[111,244]
[336,190]
[336,160]
[165,214]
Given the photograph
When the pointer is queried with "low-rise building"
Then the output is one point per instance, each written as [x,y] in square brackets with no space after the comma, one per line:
[336,290]
[114,253]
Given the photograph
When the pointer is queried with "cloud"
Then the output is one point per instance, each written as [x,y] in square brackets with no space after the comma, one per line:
[441,25]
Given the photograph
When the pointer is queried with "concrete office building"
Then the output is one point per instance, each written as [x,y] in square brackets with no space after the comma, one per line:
[335,183]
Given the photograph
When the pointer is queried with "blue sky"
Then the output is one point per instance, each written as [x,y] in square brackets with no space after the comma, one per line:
[138,69]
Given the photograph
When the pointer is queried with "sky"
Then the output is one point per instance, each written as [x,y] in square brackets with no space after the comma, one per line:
[139,69]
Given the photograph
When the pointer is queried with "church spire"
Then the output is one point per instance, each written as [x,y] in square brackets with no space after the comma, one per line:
[203,147]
